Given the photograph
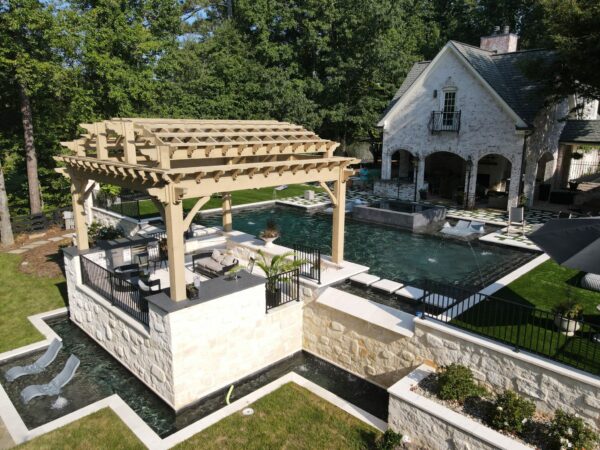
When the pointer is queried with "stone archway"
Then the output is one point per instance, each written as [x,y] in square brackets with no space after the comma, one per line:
[493,180]
[397,164]
[444,172]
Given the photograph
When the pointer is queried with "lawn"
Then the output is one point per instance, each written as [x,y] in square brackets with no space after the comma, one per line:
[22,295]
[532,328]
[101,430]
[291,418]
[147,208]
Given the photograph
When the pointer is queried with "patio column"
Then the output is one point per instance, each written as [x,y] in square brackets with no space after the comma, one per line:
[386,165]
[227,216]
[420,178]
[470,183]
[78,186]
[515,181]
[176,249]
[339,217]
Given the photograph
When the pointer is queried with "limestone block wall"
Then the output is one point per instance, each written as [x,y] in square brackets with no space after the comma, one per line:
[145,351]
[220,341]
[384,357]
[109,218]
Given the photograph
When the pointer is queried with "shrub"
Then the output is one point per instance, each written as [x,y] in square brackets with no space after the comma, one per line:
[569,431]
[510,412]
[390,440]
[99,232]
[455,382]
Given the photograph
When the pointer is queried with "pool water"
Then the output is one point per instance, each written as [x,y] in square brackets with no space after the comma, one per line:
[390,253]
[100,375]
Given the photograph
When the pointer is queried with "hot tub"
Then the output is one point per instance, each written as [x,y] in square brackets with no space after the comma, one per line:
[406,215]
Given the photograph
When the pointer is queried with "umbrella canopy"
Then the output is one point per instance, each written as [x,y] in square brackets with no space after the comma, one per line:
[573,243]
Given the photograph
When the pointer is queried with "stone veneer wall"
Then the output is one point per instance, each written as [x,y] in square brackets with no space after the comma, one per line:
[384,357]
[109,218]
[389,188]
[429,431]
[146,352]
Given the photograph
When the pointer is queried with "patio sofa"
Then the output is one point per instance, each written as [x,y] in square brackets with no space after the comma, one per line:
[213,263]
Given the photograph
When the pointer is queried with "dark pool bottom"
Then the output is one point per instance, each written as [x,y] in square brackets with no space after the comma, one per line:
[100,375]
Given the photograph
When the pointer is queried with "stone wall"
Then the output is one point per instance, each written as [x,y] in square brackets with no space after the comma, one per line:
[390,189]
[145,351]
[383,357]
[108,218]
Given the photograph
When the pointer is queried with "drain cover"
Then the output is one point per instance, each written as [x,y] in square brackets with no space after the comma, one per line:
[247,411]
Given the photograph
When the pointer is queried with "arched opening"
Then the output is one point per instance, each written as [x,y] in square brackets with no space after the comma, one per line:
[493,180]
[402,167]
[445,175]
[543,176]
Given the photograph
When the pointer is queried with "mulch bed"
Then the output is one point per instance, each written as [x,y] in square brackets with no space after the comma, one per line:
[477,409]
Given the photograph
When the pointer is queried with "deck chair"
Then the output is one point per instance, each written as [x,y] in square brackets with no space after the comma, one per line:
[57,383]
[42,362]
[516,218]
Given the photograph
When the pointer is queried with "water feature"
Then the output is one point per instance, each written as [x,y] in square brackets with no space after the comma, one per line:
[100,376]
[389,252]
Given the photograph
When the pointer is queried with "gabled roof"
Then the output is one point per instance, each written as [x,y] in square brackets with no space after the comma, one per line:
[502,72]
[581,132]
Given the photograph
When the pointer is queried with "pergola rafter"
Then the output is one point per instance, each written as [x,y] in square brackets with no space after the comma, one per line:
[175,159]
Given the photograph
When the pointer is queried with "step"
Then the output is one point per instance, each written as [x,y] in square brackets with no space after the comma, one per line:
[365,279]
[388,286]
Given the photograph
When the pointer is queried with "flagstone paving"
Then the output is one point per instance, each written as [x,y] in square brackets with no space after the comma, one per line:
[34,244]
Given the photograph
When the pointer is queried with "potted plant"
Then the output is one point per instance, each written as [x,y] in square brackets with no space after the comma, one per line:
[270,233]
[567,316]
[276,265]
[233,273]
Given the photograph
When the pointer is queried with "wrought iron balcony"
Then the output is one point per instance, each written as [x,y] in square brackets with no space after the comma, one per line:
[445,121]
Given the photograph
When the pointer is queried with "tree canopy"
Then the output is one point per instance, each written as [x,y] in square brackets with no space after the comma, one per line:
[331,66]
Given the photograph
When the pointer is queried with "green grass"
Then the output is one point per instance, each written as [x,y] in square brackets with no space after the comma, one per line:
[147,208]
[290,418]
[533,327]
[22,295]
[101,430]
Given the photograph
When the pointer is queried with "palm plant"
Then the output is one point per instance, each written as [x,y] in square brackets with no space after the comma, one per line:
[278,264]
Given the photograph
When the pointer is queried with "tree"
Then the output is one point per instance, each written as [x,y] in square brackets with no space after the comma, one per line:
[6,234]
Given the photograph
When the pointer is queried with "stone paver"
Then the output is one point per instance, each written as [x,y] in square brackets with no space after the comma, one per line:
[18,251]
[365,278]
[388,286]
[410,292]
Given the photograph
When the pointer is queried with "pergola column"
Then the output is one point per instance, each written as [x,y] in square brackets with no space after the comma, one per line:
[227,216]
[176,249]
[78,189]
[339,217]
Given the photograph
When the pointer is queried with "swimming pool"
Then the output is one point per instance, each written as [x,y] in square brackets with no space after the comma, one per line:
[389,252]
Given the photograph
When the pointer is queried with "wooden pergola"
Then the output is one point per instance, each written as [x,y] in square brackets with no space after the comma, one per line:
[175,159]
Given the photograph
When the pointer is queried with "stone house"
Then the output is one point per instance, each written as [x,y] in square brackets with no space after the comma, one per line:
[470,125]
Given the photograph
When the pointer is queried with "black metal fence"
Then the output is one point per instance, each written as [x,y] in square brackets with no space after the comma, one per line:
[581,170]
[38,222]
[445,121]
[120,292]
[312,261]
[125,205]
[575,342]
[283,288]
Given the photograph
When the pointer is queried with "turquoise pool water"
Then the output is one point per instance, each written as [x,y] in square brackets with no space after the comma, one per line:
[389,252]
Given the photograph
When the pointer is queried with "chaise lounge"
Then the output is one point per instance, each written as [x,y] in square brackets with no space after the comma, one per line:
[38,366]
[213,264]
[57,383]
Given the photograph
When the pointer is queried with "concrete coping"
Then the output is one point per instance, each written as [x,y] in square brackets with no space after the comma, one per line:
[403,390]
[377,314]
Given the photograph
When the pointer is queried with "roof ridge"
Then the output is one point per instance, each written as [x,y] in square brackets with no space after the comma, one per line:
[473,46]
[530,50]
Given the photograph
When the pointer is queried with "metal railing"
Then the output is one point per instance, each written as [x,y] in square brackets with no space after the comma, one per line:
[574,342]
[312,266]
[580,170]
[120,292]
[282,288]
[124,205]
[445,121]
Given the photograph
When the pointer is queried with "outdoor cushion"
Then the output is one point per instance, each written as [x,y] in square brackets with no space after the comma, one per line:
[211,264]
[217,256]
[228,260]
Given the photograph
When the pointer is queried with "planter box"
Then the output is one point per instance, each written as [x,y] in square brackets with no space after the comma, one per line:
[433,426]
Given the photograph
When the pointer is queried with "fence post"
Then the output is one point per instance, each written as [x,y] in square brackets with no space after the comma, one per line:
[519,323]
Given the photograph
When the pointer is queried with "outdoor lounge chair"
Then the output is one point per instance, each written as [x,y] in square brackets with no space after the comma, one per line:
[213,264]
[462,228]
[516,218]
[57,383]
[42,362]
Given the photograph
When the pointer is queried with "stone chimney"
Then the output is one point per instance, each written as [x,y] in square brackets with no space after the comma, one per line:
[505,42]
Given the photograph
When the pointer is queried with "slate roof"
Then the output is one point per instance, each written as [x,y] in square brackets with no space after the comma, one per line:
[503,72]
[581,132]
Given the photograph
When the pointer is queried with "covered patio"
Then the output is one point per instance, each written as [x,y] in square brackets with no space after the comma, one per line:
[175,159]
